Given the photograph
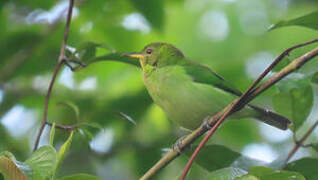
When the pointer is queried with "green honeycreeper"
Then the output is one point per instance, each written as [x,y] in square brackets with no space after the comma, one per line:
[189,92]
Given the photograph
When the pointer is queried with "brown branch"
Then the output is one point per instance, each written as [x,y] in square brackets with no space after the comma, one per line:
[19,58]
[300,143]
[239,104]
[247,97]
[60,62]
[62,127]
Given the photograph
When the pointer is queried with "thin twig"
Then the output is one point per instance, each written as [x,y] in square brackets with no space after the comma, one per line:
[239,104]
[227,112]
[19,58]
[60,62]
[252,94]
[301,142]
[62,127]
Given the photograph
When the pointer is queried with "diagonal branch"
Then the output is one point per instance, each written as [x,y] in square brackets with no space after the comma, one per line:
[246,98]
[240,103]
[300,143]
[243,100]
[60,62]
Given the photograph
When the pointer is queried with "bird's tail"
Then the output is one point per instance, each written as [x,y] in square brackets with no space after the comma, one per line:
[271,118]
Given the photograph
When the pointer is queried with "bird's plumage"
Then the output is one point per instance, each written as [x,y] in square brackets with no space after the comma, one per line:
[188,92]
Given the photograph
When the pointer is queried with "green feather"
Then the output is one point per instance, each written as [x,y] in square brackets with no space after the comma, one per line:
[189,92]
[203,74]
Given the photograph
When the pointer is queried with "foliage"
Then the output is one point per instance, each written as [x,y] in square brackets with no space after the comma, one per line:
[308,20]
[103,99]
[259,172]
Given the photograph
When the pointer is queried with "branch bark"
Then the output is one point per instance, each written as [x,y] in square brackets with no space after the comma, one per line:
[300,143]
[60,62]
[243,100]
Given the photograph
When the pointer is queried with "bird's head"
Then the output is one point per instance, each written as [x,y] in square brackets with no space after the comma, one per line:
[157,55]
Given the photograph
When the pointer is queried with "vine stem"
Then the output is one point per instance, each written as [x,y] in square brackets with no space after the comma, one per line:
[300,143]
[249,95]
[60,61]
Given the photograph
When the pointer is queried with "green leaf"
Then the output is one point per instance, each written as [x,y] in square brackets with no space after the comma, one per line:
[52,134]
[314,78]
[152,10]
[309,21]
[226,173]
[315,146]
[24,168]
[265,173]
[10,169]
[294,100]
[80,177]
[64,149]
[120,57]
[247,177]
[214,157]
[88,50]
[260,171]
[34,4]
[305,166]
[86,133]
[86,128]
[43,162]
[72,106]
[283,175]
[91,125]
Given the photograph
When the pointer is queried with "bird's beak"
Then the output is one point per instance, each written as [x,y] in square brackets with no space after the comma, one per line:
[138,55]
[134,55]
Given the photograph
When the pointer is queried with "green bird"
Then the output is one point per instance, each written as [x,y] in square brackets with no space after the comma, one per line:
[188,92]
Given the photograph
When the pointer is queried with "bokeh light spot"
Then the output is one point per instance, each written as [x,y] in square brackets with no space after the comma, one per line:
[40,16]
[19,120]
[89,83]
[261,152]
[273,134]
[103,141]
[257,63]
[136,21]
[67,78]
[215,25]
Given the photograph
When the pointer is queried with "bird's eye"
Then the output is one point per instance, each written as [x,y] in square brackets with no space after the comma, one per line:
[149,51]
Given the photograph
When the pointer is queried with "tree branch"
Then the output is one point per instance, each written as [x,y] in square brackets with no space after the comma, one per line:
[249,95]
[246,98]
[63,127]
[301,142]
[60,62]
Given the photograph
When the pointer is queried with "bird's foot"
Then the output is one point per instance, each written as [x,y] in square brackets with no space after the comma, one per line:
[206,123]
[178,146]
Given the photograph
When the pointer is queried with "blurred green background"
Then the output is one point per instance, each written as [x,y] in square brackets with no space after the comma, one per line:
[228,35]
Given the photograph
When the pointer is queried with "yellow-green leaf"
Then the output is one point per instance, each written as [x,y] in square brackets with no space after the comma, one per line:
[309,21]
[226,173]
[43,162]
[64,149]
[80,177]
[10,170]
[52,134]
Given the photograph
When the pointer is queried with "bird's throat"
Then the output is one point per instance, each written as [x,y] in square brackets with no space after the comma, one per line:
[142,61]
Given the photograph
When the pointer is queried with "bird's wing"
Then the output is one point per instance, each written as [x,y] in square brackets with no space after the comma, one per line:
[203,74]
